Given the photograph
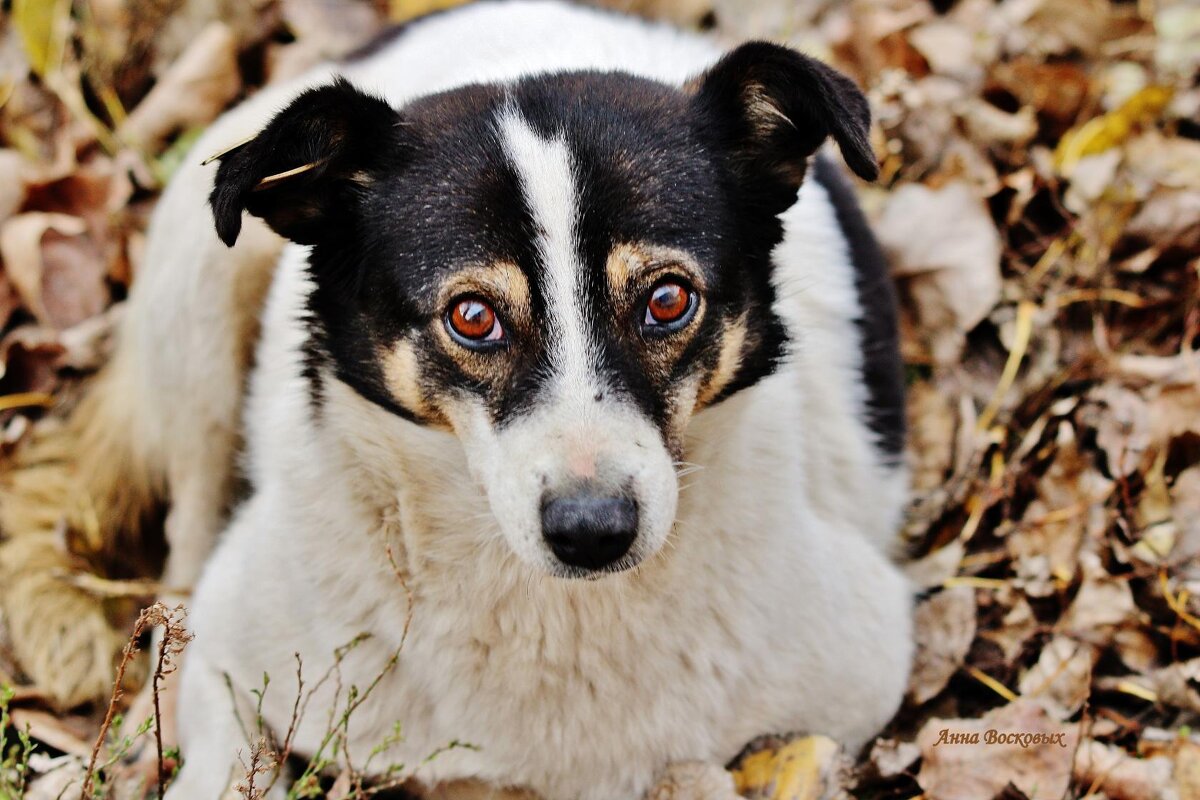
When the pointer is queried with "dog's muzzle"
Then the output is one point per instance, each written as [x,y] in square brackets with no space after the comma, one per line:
[588,530]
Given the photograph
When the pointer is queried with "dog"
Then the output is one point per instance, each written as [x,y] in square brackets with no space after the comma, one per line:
[565,377]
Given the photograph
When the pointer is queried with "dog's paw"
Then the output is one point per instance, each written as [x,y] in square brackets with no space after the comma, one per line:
[694,780]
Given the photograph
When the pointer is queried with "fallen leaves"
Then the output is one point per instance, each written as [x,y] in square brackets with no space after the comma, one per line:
[944,629]
[1040,200]
[975,759]
[944,246]
[808,768]
[53,267]
[192,92]
[1108,769]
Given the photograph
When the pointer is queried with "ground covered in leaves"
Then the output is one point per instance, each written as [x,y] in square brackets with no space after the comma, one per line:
[1040,199]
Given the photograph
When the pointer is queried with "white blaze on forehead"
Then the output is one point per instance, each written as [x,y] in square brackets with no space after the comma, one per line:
[548,182]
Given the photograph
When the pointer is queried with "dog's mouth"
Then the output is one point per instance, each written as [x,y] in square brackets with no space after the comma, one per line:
[570,573]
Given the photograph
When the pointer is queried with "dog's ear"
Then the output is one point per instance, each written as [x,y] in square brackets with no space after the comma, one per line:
[769,108]
[299,172]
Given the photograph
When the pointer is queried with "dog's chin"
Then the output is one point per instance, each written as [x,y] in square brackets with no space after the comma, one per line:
[570,573]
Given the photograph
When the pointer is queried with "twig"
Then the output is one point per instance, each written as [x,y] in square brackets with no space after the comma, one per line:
[175,638]
[131,648]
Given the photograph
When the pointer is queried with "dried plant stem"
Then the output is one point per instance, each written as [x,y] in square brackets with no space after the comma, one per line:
[131,649]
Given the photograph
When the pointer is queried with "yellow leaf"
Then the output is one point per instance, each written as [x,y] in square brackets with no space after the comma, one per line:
[1102,133]
[401,10]
[42,25]
[797,771]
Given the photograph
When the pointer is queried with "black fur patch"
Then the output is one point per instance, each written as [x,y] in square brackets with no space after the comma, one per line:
[883,371]
[397,202]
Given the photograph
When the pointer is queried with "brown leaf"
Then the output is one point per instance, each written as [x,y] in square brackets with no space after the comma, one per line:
[1185,512]
[1169,216]
[28,356]
[1016,627]
[949,48]
[1103,602]
[1060,681]
[974,769]
[338,26]
[1068,509]
[10,301]
[892,757]
[1111,770]
[932,423]
[1121,418]
[1187,769]
[944,243]
[13,171]
[55,267]
[192,92]
[944,627]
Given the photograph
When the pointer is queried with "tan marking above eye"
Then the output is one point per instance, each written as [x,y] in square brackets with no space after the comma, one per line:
[631,265]
[500,281]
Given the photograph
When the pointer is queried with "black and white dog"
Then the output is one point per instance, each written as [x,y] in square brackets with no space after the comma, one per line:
[544,262]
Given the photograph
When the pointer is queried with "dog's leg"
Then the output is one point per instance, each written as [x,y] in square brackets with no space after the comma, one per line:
[216,753]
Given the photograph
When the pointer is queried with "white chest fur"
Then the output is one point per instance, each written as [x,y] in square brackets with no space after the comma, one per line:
[759,615]
[770,609]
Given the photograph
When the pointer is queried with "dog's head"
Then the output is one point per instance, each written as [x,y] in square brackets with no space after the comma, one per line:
[560,271]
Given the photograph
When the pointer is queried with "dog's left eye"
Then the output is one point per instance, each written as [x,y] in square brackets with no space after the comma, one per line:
[670,306]
[473,322]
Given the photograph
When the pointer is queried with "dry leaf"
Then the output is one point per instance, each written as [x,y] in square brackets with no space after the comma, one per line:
[944,243]
[948,47]
[891,757]
[1185,514]
[944,627]
[1119,776]
[803,769]
[1069,509]
[1099,134]
[192,92]
[10,301]
[55,267]
[1060,681]
[932,423]
[971,768]
[1015,628]
[1103,602]
[1187,770]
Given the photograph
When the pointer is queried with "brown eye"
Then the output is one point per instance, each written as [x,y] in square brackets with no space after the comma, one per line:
[473,322]
[670,305]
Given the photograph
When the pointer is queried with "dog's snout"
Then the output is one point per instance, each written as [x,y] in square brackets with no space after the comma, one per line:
[588,530]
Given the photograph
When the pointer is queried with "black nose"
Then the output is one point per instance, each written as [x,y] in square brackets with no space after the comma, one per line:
[589,531]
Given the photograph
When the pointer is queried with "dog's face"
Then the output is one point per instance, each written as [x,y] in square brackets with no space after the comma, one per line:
[561,272]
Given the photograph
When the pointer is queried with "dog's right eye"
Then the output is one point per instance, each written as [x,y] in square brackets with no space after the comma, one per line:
[472,322]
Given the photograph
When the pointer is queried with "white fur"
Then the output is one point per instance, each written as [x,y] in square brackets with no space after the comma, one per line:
[578,429]
[771,608]
[547,177]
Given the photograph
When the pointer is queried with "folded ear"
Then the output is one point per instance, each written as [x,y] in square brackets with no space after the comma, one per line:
[298,173]
[771,108]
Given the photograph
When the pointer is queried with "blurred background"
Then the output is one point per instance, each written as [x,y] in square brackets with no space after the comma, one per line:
[1040,202]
